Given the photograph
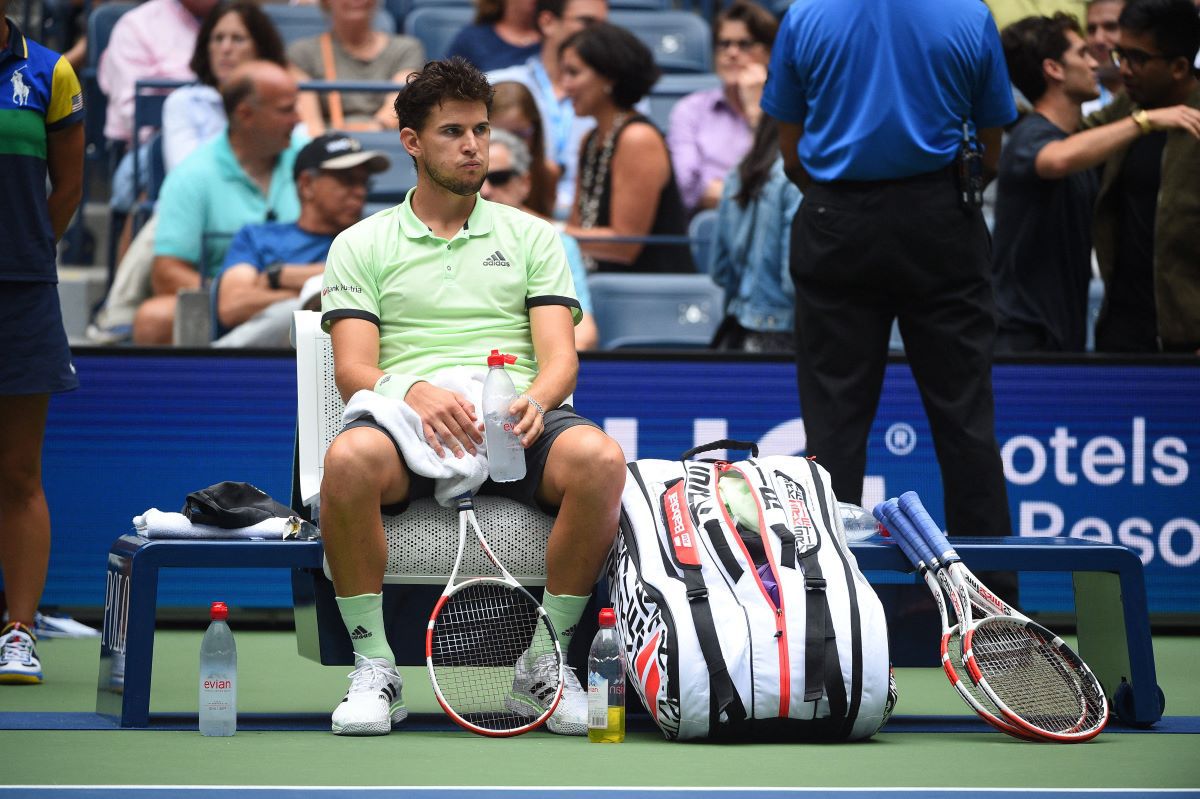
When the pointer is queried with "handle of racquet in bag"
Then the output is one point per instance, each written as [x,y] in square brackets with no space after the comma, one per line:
[910,542]
[1036,681]
[479,629]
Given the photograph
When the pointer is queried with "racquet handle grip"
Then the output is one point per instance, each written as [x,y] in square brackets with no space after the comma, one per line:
[910,503]
[901,538]
[899,521]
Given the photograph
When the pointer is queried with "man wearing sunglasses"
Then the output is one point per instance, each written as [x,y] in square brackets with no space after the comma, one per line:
[1146,226]
[268,265]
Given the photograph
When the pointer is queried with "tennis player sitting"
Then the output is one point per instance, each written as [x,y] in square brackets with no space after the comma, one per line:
[435,283]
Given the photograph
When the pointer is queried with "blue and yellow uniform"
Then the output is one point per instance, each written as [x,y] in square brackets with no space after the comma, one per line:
[39,94]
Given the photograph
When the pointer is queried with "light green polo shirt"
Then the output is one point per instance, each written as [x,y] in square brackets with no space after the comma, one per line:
[439,303]
[209,197]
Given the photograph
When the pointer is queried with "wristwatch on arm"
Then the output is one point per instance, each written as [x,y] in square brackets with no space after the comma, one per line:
[274,272]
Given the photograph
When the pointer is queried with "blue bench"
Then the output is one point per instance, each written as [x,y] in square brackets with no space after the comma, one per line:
[1110,606]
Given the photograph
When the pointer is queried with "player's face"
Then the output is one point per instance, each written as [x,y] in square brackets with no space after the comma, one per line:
[1079,70]
[452,148]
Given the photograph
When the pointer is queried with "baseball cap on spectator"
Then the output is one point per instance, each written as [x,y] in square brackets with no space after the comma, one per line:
[338,151]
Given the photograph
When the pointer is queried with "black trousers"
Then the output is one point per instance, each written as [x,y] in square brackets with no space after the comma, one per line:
[864,254]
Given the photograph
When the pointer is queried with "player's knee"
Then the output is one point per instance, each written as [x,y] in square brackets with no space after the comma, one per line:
[354,464]
[599,464]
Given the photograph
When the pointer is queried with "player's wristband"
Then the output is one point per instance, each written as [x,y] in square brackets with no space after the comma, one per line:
[541,411]
[1142,119]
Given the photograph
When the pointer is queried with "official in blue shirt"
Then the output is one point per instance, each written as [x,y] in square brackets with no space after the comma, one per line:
[872,98]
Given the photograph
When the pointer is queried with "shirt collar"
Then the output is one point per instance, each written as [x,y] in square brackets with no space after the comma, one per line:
[479,223]
[17,46]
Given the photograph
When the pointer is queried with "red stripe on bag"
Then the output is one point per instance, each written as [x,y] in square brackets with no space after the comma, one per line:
[649,675]
[680,527]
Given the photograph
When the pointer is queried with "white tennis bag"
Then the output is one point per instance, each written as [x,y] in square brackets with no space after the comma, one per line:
[739,628]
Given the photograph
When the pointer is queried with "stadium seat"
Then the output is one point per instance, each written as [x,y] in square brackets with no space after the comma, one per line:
[671,88]
[640,310]
[389,187]
[300,22]
[436,26]
[680,40]
[702,231]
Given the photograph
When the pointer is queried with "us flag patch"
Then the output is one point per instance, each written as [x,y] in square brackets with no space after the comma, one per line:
[76,102]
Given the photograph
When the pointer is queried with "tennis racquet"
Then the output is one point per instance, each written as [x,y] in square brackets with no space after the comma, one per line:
[477,631]
[910,542]
[1036,681]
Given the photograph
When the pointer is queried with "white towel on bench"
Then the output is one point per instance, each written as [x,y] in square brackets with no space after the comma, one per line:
[155,523]
[452,476]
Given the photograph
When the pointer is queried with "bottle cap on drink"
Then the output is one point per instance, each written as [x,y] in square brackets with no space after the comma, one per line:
[219,611]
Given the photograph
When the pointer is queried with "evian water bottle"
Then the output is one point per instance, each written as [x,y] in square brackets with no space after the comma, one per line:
[218,676]
[505,455]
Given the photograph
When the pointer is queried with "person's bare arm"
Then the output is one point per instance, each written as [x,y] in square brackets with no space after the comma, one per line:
[308,104]
[640,168]
[1089,148]
[244,291]
[789,140]
[169,274]
[64,164]
[558,367]
[990,138]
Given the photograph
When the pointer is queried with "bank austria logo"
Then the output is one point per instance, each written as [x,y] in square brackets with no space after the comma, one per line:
[1122,477]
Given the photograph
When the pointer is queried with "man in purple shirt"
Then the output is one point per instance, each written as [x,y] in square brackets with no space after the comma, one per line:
[710,131]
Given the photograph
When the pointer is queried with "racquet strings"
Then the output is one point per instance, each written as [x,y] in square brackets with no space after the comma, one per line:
[477,637]
[1035,679]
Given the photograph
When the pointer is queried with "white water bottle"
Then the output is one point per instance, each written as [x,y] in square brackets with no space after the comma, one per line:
[505,455]
[218,676]
[606,683]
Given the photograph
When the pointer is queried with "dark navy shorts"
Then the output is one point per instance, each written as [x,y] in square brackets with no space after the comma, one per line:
[34,356]
[524,490]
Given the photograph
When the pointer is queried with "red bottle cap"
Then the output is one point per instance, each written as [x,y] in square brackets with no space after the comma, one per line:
[219,611]
[499,359]
[608,618]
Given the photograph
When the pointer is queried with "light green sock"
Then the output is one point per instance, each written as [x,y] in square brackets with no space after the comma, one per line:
[564,612]
[363,616]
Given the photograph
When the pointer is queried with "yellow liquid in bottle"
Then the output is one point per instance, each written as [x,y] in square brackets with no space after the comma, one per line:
[614,733]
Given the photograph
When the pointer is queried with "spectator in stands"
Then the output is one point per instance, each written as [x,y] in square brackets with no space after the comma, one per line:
[883,232]
[710,130]
[396,331]
[626,185]
[515,110]
[41,139]
[503,35]
[1147,223]
[1102,18]
[1006,12]
[242,176]
[563,129]
[752,247]
[509,182]
[352,50]
[1042,244]
[154,40]
[269,263]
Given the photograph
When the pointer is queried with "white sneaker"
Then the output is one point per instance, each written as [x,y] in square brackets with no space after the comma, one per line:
[533,689]
[19,664]
[375,703]
[47,626]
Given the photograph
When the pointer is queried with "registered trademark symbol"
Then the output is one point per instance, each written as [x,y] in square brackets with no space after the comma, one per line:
[900,438]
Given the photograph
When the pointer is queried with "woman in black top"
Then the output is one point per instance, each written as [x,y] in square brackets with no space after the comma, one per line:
[626,186]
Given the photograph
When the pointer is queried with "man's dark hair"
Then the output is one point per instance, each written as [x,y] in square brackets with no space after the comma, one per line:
[1030,41]
[268,46]
[439,81]
[761,23]
[1174,24]
[618,55]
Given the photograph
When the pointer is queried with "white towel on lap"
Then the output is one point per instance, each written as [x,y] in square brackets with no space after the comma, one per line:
[452,476]
[155,523]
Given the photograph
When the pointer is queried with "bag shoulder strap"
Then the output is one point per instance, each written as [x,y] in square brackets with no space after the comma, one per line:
[337,118]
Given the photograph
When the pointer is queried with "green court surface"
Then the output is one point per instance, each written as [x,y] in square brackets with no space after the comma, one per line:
[274,679]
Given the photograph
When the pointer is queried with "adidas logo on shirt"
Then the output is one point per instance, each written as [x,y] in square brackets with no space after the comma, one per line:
[359,633]
[496,259]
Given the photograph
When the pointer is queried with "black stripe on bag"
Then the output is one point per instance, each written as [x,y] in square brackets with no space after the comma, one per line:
[835,686]
[816,633]
[724,696]
[856,683]
[787,550]
[720,545]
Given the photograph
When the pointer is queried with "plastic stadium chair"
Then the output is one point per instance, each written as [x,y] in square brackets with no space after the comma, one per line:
[702,230]
[300,22]
[638,310]
[671,88]
[680,40]
[437,26]
[389,187]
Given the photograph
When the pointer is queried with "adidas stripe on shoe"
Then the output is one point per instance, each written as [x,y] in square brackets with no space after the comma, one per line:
[375,703]
[19,664]
[533,689]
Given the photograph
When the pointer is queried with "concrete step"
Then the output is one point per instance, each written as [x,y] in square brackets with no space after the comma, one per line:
[80,289]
